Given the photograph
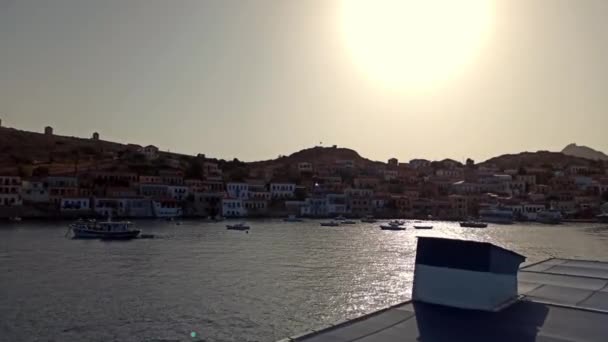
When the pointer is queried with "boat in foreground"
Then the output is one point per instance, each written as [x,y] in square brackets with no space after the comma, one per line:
[473,224]
[330,224]
[108,230]
[238,226]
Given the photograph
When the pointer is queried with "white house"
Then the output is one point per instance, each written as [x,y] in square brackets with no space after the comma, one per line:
[233,207]
[315,207]
[166,208]
[75,204]
[177,192]
[108,206]
[237,190]
[336,204]
[452,173]
[150,151]
[419,163]
[282,190]
[154,190]
[34,191]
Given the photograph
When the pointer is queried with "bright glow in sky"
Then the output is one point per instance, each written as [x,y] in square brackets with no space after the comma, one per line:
[414,44]
[255,79]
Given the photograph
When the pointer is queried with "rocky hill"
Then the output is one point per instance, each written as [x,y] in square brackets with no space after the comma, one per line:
[535,159]
[318,155]
[584,152]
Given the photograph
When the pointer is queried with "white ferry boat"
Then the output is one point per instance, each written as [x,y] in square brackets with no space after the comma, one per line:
[108,230]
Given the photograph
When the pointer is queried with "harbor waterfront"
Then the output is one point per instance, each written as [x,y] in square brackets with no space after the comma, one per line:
[198,281]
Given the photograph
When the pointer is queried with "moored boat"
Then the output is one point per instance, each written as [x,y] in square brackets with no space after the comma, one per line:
[397,222]
[392,226]
[108,230]
[602,218]
[473,224]
[369,219]
[423,226]
[238,226]
[348,222]
[292,218]
[550,216]
[330,224]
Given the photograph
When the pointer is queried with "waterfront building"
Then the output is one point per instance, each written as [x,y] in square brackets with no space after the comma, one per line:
[75,204]
[154,190]
[34,191]
[62,186]
[172,177]
[233,207]
[166,208]
[10,191]
[177,192]
[282,190]
[237,190]
[149,179]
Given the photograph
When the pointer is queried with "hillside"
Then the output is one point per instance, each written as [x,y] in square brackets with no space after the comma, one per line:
[318,155]
[584,152]
[531,159]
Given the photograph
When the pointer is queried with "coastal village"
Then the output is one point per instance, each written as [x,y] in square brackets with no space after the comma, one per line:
[67,177]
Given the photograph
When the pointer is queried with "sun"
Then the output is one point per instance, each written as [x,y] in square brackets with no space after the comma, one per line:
[414,43]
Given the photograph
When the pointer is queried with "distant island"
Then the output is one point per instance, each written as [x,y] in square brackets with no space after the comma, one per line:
[47,175]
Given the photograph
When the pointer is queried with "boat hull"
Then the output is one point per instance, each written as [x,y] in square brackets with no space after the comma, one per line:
[423,227]
[237,228]
[473,225]
[80,233]
[392,228]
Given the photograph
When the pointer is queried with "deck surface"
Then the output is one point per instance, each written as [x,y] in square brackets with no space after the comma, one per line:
[562,300]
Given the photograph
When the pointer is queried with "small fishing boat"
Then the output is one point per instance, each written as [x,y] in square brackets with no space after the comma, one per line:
[330,224]
[238,226]
[349,222]
[473,224]
[292,218]
[392,226]
[602,218]
[397,222]
[422,226]
[108,230]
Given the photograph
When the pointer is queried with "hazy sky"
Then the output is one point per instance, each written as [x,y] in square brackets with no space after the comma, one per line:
[255,79]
